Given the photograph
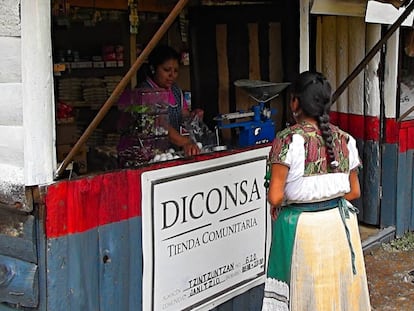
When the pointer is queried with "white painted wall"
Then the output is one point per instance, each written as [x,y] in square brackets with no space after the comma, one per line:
[27,153]
[372,83]
[356,53]
[37,92]
[391,75]
[11,106]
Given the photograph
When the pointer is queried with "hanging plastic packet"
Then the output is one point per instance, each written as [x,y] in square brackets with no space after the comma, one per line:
[199,132]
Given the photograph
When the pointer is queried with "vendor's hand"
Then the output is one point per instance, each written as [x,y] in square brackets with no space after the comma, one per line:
[191,149]
[275,211]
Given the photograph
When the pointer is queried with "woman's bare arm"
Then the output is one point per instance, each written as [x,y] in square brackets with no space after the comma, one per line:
[355,191]
[277,184]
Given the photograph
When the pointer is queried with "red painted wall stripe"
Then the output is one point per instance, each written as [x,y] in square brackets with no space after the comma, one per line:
[391,131]
[79,205]
[400,133]
[407,124]
[368,128]
[403,140]
[406,139]
[360,127]
[410,138]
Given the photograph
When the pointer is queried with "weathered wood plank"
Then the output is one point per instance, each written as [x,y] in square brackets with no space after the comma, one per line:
[275,53]
[117,4]
[254,57]
[11,106]
[361,176]
[371,153]
[372,174]
[403,212]
[372,83]
[390,75]
[10,60]
[410,182]
[304,36]
[329,56]
[342,67]
[111,258]
[223,75]
[19,280]
[318,45]
[68,259]
[356,54]
[121,265]
[238,49]
[10,17]
[339,7]
[17,236]
[389,176]
[276,71]
[264,51]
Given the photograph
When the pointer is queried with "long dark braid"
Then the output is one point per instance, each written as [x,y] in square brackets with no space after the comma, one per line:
[314,93]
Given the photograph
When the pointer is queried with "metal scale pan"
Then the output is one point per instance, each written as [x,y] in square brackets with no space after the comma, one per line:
[261,91]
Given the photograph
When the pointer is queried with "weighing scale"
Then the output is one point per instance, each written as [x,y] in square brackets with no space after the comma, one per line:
[260,128]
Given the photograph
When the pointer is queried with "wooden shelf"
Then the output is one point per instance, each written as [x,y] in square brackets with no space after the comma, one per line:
[101,4]
[156,6]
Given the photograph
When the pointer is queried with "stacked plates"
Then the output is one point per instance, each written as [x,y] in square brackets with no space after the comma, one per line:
[94,92]
[70,91]
[111,82]
[96,138]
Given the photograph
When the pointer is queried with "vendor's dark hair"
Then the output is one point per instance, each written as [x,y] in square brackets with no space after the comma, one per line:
[160,54]
[314,95]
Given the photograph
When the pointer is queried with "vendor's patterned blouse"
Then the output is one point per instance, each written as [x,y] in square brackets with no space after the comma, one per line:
[310,178]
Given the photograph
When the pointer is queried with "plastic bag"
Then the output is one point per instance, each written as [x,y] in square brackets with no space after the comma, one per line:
[199,131]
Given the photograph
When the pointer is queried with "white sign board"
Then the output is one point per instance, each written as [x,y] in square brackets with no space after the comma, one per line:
[205,231]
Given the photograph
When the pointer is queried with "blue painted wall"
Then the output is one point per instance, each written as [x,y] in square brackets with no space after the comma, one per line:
[389,185]
[109,259]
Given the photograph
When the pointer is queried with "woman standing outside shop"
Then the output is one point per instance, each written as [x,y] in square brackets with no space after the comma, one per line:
[316,261]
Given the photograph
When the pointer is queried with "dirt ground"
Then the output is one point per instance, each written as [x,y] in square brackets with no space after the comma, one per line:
[390,273]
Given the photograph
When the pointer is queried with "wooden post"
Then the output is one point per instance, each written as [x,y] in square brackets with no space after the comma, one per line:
[223,75]
[391,76]
[319,39]
[122,84]
[329,43]
[304,36]
[356,52]
[342,67]
[37,93]
[372,83]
